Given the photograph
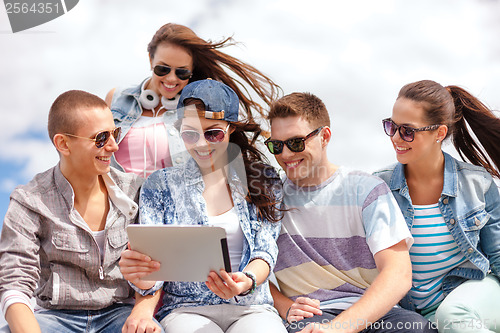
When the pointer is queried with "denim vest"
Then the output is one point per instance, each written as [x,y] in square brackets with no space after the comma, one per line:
[470,204]
[127,109]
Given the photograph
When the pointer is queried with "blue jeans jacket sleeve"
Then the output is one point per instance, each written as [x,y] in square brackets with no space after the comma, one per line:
[152,209]
[490,233]
[264,248]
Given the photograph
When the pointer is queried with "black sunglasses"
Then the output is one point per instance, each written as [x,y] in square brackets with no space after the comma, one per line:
[215,135]
[101,138]
[181,73]
[295,144]
[407,133]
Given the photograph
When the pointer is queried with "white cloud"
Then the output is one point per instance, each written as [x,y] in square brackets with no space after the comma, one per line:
[7,185]
[34,156]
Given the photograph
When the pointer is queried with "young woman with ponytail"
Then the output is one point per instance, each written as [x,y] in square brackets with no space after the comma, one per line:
[451,207]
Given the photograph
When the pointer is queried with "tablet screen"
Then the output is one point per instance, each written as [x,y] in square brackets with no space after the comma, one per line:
[186,253]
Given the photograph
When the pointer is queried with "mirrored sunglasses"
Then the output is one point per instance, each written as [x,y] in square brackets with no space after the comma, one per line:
[407,133]
[295,145]
[181,73]
[101,138]
[215,135]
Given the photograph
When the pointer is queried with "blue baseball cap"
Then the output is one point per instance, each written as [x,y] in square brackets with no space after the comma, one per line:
[221,102]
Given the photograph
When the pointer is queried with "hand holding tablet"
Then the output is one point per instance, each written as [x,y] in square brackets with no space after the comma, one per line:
[186,253]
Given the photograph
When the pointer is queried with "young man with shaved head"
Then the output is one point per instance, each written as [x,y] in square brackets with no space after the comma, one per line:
[64,231]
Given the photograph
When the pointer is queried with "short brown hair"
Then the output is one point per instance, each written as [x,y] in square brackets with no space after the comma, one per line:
[305,105]
[62,112]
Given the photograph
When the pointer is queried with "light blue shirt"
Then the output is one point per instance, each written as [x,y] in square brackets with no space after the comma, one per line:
[433,254]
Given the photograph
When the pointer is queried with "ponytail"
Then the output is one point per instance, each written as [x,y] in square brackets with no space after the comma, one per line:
[485,126]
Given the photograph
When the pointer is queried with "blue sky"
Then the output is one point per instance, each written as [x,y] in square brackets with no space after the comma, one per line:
[355,55]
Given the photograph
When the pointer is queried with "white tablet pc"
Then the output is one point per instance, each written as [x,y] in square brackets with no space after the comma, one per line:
[186,253]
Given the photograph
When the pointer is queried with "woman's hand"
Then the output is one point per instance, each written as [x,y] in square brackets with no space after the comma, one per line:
[135,265]
[227,285]
[303,307]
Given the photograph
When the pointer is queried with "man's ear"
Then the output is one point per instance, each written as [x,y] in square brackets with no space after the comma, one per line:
[61,144]
[326,135]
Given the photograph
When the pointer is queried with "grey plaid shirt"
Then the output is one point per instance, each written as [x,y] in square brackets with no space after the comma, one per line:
[48,251]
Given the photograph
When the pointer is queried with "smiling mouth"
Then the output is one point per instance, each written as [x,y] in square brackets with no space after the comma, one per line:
[402,148]
[169,86]
[204,154]
[104,158]
[292,164]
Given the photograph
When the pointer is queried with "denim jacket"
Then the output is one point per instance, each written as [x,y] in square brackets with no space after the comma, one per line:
[127,109]
[174,196]
[470,204]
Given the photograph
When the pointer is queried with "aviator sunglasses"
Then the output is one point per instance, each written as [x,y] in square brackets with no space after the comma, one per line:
[295,144]
[215,135]
[101,138]
[407,133]
[181,73]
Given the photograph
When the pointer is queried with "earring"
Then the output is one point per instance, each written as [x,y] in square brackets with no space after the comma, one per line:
[437,141]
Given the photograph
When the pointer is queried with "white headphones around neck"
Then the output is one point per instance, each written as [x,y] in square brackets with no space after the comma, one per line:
[149,99]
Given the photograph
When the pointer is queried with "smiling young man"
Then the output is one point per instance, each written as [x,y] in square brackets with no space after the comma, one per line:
[343,260]
[64,231]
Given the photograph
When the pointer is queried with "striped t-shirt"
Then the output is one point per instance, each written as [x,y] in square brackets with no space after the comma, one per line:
[433,254]
[330,234]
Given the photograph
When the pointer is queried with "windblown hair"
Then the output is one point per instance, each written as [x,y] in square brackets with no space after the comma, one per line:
[305,105]
[262,179]
[63,114]
[456,108]
[209,62]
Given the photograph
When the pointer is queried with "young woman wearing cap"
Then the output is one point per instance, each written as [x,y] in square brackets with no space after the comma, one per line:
[225,183]
[451,207]
[146,112]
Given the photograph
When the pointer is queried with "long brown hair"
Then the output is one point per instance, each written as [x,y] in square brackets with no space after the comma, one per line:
[456,108]
[263,182]
[262,179]
[209,62]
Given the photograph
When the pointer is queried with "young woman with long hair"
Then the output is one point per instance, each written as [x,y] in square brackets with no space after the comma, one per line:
[451,207]
[225,183]
[147,112]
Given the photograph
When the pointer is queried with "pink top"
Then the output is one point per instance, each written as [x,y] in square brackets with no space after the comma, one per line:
[145,147]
